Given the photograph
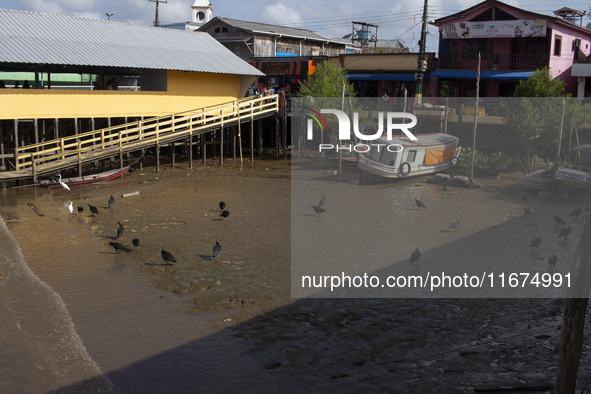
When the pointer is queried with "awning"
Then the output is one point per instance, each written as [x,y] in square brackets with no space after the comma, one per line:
[384,77]
[506,74]
[472,74]
[469,74]
[285,54]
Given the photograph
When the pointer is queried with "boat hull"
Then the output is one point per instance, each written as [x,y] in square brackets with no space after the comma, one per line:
[385,171]
[536,181]
[572,177]
[103,176]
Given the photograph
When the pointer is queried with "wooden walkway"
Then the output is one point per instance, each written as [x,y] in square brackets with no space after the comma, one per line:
[75,150]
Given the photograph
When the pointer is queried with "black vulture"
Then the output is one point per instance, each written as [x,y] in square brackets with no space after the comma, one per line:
[558,220]
[135,242]
[80,208]
[552,261]
[535,242]
[111,201]
[119,247]
[564,232]
[420,204]
[222,205]
[526,210]
[93,209]
[217,248]
[120,231]
[415,256]
[167,256]
[576,212]
[318,209]
[225,213]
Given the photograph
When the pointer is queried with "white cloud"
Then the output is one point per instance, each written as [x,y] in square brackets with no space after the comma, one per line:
[278,13]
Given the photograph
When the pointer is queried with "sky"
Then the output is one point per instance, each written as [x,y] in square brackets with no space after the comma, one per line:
[332,18]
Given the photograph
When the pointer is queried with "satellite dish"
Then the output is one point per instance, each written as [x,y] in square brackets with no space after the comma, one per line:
[348,35]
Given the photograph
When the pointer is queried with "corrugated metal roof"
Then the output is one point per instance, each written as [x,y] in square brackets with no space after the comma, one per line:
[264,28]
[36,38]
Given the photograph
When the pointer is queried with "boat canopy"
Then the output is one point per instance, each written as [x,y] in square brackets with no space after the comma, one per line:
[583,148]
[434,140]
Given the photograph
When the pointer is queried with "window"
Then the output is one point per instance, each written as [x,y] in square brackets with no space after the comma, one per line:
[473,46]
[217,30]
[224,29]
[412,154]
[557,45]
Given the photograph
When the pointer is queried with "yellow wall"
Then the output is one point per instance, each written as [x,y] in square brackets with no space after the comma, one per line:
[186,91]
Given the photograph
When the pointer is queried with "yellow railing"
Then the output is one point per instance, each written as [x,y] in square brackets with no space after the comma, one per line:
[88,146]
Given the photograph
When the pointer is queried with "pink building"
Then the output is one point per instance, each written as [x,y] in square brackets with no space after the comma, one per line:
[512,44]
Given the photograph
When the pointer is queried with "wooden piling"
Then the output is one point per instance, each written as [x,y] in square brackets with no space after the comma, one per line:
[260,138]
[252,139]
[202,140]
[172,152]
[157,157]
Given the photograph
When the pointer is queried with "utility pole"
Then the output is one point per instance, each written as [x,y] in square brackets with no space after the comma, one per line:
[422,66]
[157,6]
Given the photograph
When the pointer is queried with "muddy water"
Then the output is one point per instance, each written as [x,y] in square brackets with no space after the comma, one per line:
[73,311]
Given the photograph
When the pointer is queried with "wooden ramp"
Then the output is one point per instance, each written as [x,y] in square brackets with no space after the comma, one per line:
[50,156]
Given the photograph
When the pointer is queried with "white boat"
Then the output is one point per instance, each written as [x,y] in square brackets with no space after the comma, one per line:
[538,180]
[400,156]
[576,174]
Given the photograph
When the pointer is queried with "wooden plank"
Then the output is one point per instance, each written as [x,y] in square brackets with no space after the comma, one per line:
[35,209]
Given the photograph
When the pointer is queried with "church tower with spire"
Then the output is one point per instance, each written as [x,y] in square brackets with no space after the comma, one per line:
[202,12]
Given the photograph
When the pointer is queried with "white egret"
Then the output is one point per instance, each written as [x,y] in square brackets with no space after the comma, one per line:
[63,184]
[71,209]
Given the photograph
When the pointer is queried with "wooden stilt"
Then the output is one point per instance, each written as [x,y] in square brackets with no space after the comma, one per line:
[260,138]
[172,152]
[157,157]
[277,136]
[16,144]
[203,154]
[251,139]
[191,149]
[284,135]
[222,145]
[56,128]
[2,159]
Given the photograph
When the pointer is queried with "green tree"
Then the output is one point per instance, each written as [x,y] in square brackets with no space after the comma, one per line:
[533,114]
[539,84]
[327,81]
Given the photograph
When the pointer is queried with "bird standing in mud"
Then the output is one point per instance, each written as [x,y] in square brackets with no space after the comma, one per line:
[225,214]
[120,230]
[535,242]
[564,232]
[111,201]
[526,211]
[80,209]
[455,225]
[558,219]
[93,209]
[135,242]
[415,256]
[419,204]
[167,256]
[576,213]
[318,209]
[62,184]
[117,246]
[552,261]
[322,201]
[217,249]
[222,205]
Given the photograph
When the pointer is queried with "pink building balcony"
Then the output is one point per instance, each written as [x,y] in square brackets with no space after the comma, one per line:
[494,61]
